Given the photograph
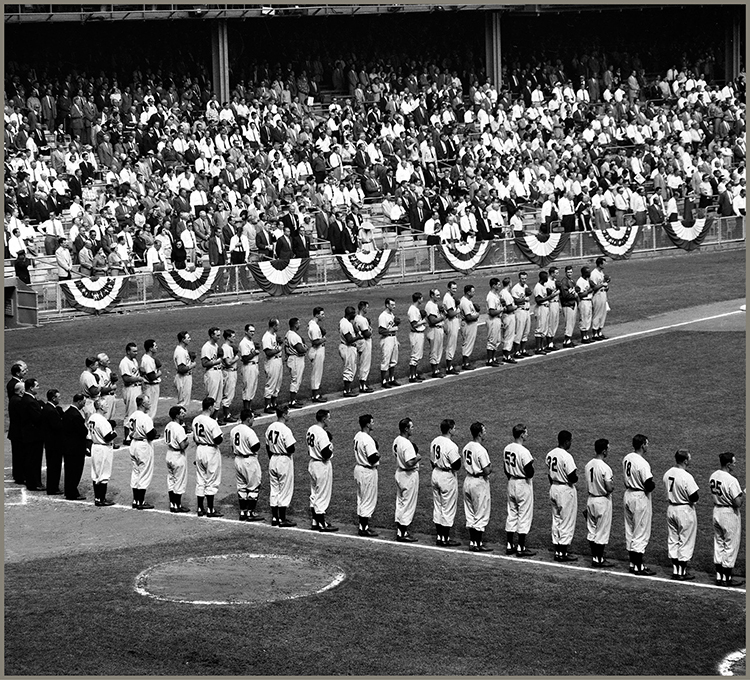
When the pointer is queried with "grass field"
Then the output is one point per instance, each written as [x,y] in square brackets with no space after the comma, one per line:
[405,610]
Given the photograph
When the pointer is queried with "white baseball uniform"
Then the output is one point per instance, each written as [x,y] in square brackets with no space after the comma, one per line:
[183,382]
[174,435]
[542,312]
[281,466]
[274,367]
[207,455]
[562,495]
[435,335]
[388,343]
[317,354]
[494,323]
[294,361]
[468,328]
[212,378]
[637,502]
[451,327]
[365,474]
[347,352]
[229,376]
[151,388]
[321,471]
[246,464]
[682,524]
[416,337]
[477,500]
[130,392]
[249,365]
[599,503]
[364,346]
[727,520]
[101,449]
[407,481]
[520,489]
[141,450]
[443,453]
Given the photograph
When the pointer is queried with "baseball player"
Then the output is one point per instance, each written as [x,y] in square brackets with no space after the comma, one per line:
[519,469]
[584,291]
[600,485]
[107,384]
[295,351]
[451,326]
[229,362]
[728,498]
[317,353]
[521,294]
[435,333]
[468,312]
[245,445]
[211,362]
[682,524]
[446,462]
[151,372]
[553,290]
[207,437]
[477,501]
[184,363]
[508,319]
[494,321]
[388,324]
[569,305]
[131,386]
[274,367]
[142,434]
[639,483]
[348,349]
[89,383]
[417,318]
[320,450]
[364,345]
[542,296]
[366,461]
[407,479]
[102,435]
[280,446]
[249,353]
[599,287]
[176,440]
[562,473]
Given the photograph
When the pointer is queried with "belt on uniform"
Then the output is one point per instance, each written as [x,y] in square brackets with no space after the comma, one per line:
[368,467]
[215,368]
[136,439]
[230,369]
[562,483]
[597,495]
[242,455]
[512,477]
[678,503]
[445,469]
[543,304]
[391,334]
[471,474]
[407,469]
[289,455]
[416,331]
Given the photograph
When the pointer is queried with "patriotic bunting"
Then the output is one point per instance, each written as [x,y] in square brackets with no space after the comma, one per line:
[279,277]
[188,287]
[617,242]
[463,257]
[689,232]
[94,296]
[541,249]
[366,269]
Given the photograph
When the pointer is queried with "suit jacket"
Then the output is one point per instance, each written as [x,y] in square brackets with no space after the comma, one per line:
[291,221]
[74,431]
[264,243]
[336,235]
[11,385]
[52,423]
[300,245]
[284,249]
[216,253]
[30,412]
[15,418]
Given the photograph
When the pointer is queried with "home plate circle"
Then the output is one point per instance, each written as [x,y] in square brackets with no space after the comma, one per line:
[241,578]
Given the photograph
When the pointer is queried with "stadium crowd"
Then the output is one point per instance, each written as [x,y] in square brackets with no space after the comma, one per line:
[159,173]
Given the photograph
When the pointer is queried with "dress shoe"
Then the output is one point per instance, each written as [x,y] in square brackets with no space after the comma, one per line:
[56,492]
[36,488]
[75,498]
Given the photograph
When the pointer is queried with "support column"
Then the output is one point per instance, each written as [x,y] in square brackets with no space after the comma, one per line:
[732,48]
[492,48]
[220,59]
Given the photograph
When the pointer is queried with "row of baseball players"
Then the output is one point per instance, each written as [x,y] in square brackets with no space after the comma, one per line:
[446,460]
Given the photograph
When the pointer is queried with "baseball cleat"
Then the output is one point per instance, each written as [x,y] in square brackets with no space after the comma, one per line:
[395,383]
[200,512]
[366,532]
[645,571]
[566,558]
[414,380]
[484,548]
[230,419]
[525,553]
[274,522]
[287,523]
[254,517]
[242,518]
[450,543]
[603,565]
[386,386]
[687,577]
[182,508]
[327,528]
[732,584]
[366,389]
[214,513]
[406,538]
[145,506]
[295,404]
[103,504]
[510,551]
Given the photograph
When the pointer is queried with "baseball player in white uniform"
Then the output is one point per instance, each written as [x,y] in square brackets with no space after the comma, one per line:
[682,523]
[521,295]
[569,304]
[562,473]
[727,520]
[417,326]
[468,312]
[451,325]
[599,286]
[508,319]
[553,290]
[249,353]
[177,441]
[317,353]
[229,362]
[446,462]
[142,434]
[494,322]
[388,324]
[211,361]
[184,363]
[207,437]
[407,480]
[295,350]
[320,469]
[639,483]
[131,385]
[107,385]
[89,383]
[600,485]
[280,447]
[273,366]
[435,334]
[519,469]
[348,349]
[151,372]
[102,435]
[245,445]
[363,329]
[584,291]
[542,297]
[477,500]
[366,461]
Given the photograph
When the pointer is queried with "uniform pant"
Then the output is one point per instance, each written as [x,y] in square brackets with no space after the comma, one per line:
[274,372]
[407,488]
[109,406]
[509,331]
[584,310]
[184,386]
[523,325]
[494,332]
[142,458]
[53,454]
[101,463]
[281,481]
[477,502]
[348,354]
[727,524]
[637,512]
[389,352]
[564,500]
[74,459]
[213,382]
[296,369]
[416,344]
[570,314]
[367,490]
[444,496]
[599,310]
[317,359]
[152,391]
[520,506]
[364,359]
[435,336]
[451,337]
[468,337]
[207,470]
[33,453]
[229,387]
[681,531]
[128,396]
[176,471]
[249,381]
[321,484]
[554,318]
[542,321]
[248,476]
[598,519]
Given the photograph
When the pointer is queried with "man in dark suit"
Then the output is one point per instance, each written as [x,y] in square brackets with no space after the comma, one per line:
[264,242]
[336,229]
[418,215]
[284,249]
[77,447]
[216,249]
[18,373]
[15,427]
[32,435]
[301,242]
[290,219]
[52,422]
